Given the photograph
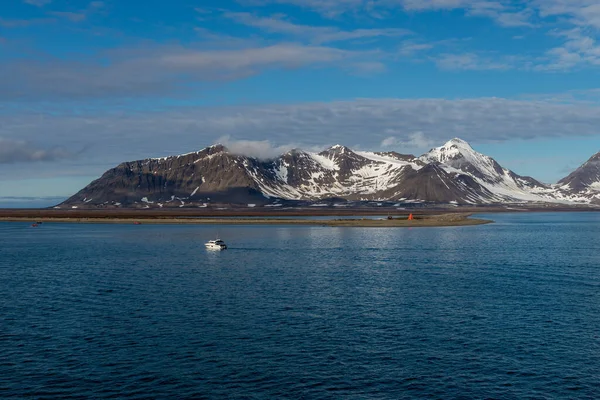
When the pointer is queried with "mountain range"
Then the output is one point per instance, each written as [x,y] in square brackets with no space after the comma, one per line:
[450,174]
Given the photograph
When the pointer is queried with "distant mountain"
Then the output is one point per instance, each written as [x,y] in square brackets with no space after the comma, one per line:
[453,173]
[210,174]
[584,182]
[457,156]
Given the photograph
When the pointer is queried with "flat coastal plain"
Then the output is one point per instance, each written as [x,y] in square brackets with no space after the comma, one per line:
[419,220]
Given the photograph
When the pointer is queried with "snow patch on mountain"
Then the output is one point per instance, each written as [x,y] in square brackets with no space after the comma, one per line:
[379,172]
[457,156]
[388,160]
[282,172]
[324,162]
[453,173]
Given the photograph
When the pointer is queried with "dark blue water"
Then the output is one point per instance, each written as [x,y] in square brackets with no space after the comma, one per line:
[508,310]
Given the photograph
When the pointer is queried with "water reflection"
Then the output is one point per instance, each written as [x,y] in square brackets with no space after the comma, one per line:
[284,233]
[297,311]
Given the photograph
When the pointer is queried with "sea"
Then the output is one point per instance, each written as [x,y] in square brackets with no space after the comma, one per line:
[509,310]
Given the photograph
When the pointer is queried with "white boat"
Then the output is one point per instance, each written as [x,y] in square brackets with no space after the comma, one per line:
[216,244]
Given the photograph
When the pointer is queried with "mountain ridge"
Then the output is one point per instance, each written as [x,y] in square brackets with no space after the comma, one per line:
[587,175]
[453,173]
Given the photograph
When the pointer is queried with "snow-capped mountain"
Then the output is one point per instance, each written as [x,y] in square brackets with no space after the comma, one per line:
[584,182]
[335,172]
[453,173]
[457,156]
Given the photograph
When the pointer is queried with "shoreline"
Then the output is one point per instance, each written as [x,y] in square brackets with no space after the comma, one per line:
[431,220]
[302,212]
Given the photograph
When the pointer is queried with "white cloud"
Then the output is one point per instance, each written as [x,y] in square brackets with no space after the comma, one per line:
[588,96]
[329,8]
[508,14]
[158,70]
[37,3]
[502,15]
[415,140]
[504,12]
[314,34]
[421,5]
[261,149]
[546,16]
[410,48]
[71,16]
[111,138]
[468,61]
[166,70]
[579,48]
[24,23]
[81,15]
[579,12]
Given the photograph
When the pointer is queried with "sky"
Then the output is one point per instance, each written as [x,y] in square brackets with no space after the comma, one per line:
[85,85]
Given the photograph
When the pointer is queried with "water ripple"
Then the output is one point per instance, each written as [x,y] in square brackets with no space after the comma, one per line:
[509,310]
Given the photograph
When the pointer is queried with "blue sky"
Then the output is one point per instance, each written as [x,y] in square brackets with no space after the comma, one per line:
[85,85]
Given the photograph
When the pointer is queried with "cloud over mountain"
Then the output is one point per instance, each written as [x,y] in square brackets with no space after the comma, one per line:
[259,149]
[269,129]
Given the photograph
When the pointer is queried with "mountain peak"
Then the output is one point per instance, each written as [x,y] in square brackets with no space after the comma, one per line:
[585,176]
[294,151]
[592,162]
[453,172]
[458,154]
[217,147]
[458,142]
[451,150]
[595,157]
[338,148]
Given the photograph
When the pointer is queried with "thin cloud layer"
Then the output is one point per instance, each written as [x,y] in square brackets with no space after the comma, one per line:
[155,71]
[575,21]
[505,12]
[416,140]
[469,62]
[284,43]
[112,138]
[117,90]
[17,151]
[37,3]
[314,34]
[261,149]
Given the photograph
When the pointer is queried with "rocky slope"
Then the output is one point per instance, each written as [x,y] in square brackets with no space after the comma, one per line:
[584,182]
[453,173]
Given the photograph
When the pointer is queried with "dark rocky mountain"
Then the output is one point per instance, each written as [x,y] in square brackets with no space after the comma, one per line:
[584,182]
[583,177]
[172,181]
[433,182]
[453,173]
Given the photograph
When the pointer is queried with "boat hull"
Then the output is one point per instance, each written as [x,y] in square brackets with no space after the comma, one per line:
[215,247]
